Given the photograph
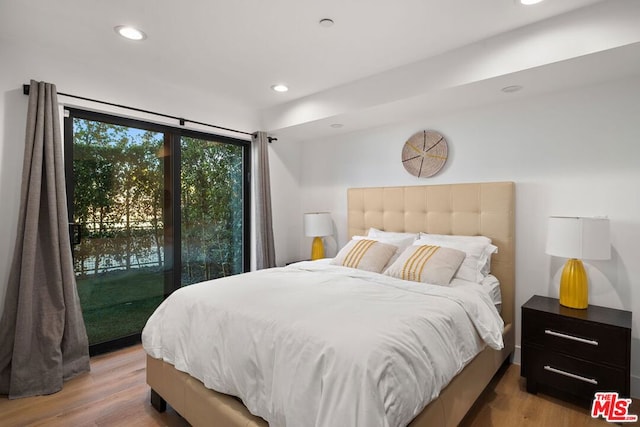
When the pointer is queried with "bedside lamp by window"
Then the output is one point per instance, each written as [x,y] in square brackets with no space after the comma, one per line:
[317,225]
[577,238]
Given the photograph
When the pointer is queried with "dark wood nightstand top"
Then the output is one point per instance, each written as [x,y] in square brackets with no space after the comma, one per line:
[593,313]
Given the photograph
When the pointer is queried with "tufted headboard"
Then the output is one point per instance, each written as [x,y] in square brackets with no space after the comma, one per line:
[485,209]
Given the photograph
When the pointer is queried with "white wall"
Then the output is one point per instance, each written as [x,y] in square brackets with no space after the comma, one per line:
[119,85]
[570,153]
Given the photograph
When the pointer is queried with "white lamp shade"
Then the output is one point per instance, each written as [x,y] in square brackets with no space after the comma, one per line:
[318,224]
[580,238]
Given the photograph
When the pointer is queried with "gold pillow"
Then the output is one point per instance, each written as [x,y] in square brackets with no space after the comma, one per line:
[365,254]
[427,264]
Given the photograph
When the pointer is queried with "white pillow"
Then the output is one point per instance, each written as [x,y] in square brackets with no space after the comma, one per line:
[478,249]
[374,232]
[364,254]
[427,264]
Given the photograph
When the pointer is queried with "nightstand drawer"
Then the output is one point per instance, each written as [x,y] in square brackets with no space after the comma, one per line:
[572,375]
[588,341]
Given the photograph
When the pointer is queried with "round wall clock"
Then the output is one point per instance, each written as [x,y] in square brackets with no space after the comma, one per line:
[425,153]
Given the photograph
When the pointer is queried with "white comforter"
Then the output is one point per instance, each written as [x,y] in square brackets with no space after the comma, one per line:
[318,345]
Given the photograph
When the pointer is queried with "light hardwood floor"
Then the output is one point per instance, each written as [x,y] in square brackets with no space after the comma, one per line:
[115,394]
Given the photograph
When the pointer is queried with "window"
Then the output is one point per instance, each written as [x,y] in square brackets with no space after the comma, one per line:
[151,208]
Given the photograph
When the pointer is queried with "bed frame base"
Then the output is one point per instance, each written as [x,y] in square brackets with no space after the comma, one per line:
[158,403]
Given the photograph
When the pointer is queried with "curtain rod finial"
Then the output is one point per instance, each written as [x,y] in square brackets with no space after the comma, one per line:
[271,139]
[26,89]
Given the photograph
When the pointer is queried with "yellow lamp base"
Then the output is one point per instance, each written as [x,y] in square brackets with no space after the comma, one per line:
[317,248]
[574,292]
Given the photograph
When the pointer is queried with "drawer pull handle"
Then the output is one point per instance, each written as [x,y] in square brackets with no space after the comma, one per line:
[570,337]
[569,374]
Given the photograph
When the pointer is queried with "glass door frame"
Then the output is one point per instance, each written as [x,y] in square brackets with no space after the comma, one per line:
[171,201]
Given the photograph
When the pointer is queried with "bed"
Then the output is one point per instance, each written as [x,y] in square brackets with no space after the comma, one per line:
[459,209]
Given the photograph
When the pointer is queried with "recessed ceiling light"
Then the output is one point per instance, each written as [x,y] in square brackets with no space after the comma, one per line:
[529,2]
[280,88]
[130,32]
[336,125]
[326,22]
[511,89]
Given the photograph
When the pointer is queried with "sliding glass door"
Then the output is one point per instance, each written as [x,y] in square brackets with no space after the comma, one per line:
[212,216]
[151,208]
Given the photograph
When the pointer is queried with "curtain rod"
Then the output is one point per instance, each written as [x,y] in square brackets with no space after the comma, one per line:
[182,121]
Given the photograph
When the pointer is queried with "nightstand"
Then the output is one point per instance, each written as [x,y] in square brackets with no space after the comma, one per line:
[575,352]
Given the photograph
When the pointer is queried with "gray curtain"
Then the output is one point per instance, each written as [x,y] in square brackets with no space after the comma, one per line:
[43,340]
[265,250]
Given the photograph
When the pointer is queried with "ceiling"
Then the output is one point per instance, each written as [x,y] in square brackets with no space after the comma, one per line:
[379,57]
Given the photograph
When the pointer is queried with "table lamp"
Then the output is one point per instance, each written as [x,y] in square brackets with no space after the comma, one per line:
[577,238]
[317,225]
